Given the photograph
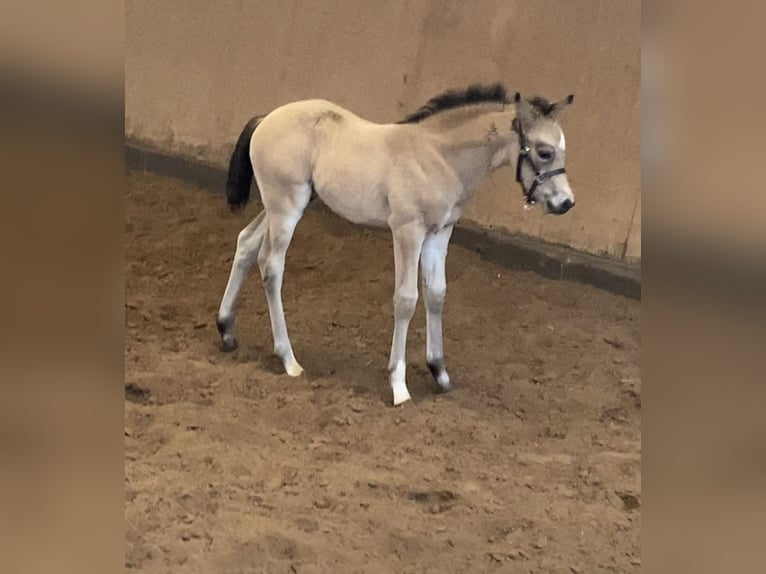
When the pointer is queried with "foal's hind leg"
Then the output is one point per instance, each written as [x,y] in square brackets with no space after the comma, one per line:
[271,260]
[432,259]
[248,244]
[408,241]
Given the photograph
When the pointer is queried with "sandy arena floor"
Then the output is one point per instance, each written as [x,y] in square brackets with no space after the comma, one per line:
[532,463]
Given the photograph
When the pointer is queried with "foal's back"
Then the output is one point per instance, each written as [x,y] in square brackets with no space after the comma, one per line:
[348,160]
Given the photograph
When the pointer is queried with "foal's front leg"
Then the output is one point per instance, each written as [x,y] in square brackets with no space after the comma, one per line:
[432,266]
[408,241]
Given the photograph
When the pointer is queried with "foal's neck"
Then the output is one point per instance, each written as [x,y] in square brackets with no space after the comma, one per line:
[476,140]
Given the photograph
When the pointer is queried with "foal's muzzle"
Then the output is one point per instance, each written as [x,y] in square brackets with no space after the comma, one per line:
[561,208]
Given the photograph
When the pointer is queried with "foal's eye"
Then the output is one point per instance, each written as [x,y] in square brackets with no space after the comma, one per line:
[545,153]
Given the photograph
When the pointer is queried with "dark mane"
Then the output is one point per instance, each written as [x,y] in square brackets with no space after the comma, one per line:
[475,94]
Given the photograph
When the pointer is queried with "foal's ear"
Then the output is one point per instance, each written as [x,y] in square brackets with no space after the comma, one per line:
[559,107]
[524,110]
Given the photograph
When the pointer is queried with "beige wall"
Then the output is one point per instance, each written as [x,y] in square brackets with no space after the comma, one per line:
[196,70]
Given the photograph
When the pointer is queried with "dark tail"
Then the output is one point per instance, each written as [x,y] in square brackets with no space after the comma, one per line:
[241,169]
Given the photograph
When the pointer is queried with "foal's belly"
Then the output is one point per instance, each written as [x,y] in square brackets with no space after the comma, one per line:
[360,206]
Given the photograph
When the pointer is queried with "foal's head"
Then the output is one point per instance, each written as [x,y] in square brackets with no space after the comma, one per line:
[540,168]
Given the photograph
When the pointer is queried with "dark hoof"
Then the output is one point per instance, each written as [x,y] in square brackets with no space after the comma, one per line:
[229,344]
[441,389]
[228,340]
[439,372]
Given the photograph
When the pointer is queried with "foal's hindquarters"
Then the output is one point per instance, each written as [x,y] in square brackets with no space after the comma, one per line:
[285,192]
[265,240]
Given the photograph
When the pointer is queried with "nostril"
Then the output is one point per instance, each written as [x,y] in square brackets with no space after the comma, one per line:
[567,204]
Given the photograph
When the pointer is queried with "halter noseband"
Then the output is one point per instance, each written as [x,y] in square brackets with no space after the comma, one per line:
[540,177]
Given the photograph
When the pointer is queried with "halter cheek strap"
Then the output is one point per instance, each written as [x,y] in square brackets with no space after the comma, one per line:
[540,177]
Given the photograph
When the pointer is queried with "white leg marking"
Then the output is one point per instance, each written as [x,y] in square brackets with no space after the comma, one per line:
[408,241]
[398,384]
